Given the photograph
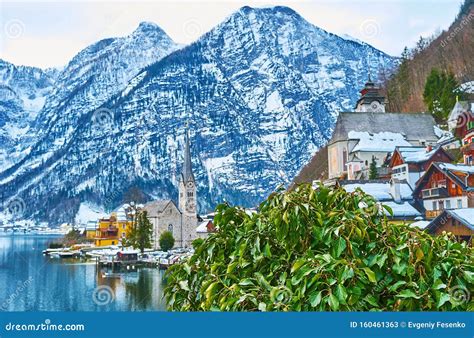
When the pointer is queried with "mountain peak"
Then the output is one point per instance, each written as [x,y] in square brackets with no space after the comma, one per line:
[269,9]
[146,27]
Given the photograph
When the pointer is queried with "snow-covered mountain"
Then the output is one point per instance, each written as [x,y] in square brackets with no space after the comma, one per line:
[23,91]
[259,92]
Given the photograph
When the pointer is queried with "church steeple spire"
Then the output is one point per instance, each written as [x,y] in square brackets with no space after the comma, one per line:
[187,171]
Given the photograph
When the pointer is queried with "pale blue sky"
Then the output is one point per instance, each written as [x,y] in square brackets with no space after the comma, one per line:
[47,34]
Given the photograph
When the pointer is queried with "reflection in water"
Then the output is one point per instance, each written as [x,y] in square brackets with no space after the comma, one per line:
[30,281]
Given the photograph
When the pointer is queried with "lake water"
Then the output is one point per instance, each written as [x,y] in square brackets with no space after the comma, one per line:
[30,281]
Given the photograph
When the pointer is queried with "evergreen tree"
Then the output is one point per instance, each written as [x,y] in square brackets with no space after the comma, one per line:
[140,234]
[440,94]
[373,169]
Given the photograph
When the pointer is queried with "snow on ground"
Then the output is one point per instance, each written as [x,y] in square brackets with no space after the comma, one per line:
[381,142]
[88,213]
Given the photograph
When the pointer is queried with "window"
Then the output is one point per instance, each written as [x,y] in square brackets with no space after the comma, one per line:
[448,204]
[170,227]
[435,205]
[459,204]
[441,205]
[190,194]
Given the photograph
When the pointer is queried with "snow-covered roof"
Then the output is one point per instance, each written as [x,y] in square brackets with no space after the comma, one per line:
[403,209]
[464,215]
[380,191]
[415,154]
[377,142]
[420,224]
[202,227]
[415,127]
[468,169]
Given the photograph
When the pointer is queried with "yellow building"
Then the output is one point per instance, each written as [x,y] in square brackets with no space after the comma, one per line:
[112,230]
[91,228]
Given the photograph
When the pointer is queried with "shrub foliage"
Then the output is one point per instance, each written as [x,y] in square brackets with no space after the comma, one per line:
[166,241]
[322,249]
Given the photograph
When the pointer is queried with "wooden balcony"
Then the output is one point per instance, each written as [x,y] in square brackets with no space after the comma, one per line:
[434,193]
[430,214]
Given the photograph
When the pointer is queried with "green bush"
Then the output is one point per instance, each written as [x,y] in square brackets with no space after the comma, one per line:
[166,241]
[322,249]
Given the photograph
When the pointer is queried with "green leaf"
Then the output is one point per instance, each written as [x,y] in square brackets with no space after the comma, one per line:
[408,294]
[297,265]
[438,284]
[184,285]
[262,307]
[370,274]
[333,302]
[315,299]
[266,251]
[444,297]
[246,281]
[341,246]
[341,294]
[395,286]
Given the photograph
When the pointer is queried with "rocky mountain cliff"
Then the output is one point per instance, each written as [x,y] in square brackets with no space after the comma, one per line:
[259,94]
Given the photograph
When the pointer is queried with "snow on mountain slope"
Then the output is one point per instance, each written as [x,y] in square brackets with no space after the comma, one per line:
[260,93]
[23,91]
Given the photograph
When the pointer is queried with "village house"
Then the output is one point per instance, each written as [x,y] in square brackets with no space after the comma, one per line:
[112,230]
[369,132]
[445,186]
[459,222]
[465,131]
[410,163]
[205,228]
[180,220]
[398,195]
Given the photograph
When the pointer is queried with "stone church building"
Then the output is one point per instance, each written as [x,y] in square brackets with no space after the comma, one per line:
[369,132]
[180,220]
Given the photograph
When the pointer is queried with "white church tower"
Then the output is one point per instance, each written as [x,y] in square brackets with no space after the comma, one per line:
[187,197]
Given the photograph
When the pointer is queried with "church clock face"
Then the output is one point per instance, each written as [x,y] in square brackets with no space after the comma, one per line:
[375,107]
[190,184]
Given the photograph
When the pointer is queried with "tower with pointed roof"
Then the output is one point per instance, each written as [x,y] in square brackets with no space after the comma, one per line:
[371,99]
[187,196]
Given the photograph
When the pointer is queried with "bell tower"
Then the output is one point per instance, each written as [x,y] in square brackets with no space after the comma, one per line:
[187,196]
[371,99]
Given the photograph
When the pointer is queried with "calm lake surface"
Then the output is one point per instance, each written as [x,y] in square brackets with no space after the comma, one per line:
[30,281]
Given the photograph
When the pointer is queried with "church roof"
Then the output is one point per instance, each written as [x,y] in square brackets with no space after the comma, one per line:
[187,171]
[159,206]
[418,126]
